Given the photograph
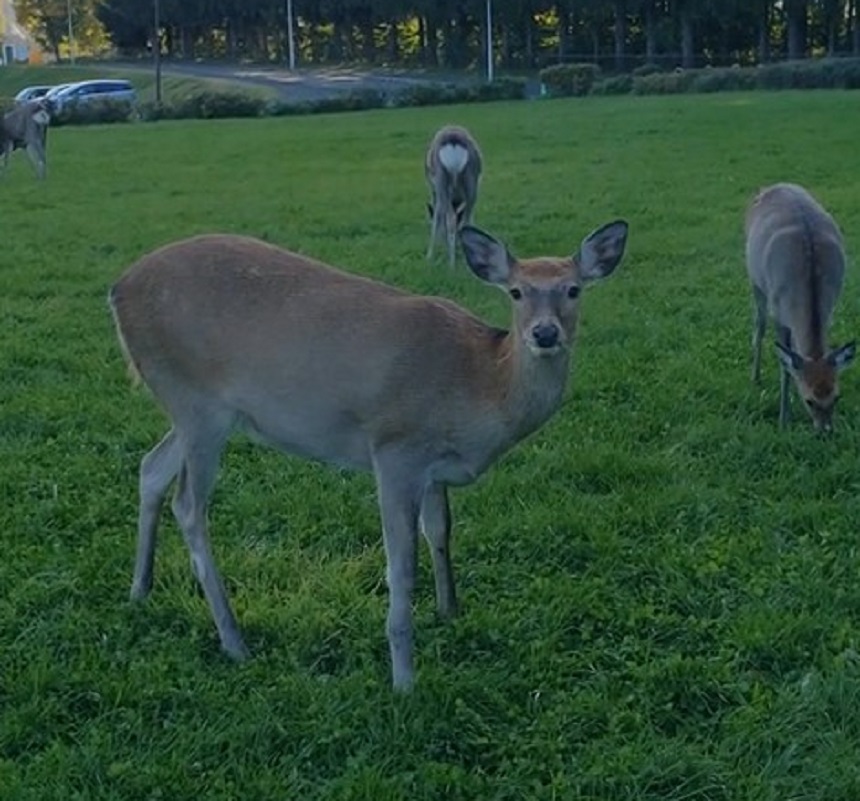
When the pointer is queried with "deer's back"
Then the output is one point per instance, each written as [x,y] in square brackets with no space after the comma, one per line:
[795,256]
[294,345]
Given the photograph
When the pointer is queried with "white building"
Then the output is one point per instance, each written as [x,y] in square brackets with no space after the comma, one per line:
[15,44]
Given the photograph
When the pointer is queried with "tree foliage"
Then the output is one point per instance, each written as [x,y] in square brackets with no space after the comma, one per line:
[619,35]
[48,22]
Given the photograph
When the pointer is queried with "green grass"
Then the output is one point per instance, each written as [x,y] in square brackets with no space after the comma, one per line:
[660,589]
[16,77]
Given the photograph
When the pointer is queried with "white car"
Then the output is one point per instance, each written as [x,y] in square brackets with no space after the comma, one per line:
[32,93]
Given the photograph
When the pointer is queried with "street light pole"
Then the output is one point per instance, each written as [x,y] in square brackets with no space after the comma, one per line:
[291,46]
[156,49]
[71,32]
[489,41]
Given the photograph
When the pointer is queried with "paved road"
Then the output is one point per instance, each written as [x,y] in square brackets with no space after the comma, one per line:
[304,84]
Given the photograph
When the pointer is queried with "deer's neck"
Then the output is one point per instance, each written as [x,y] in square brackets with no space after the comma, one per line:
[535,386]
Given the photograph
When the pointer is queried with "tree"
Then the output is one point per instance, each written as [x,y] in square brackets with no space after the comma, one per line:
[796,23]
[47,21]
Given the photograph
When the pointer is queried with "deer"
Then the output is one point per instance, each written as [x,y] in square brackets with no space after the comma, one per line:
[452,167]
[232,333]
[795,259]
[26,126]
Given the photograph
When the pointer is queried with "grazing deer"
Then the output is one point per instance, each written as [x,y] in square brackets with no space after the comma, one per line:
[26,126]
[453,169]
[796,260]
[230,332]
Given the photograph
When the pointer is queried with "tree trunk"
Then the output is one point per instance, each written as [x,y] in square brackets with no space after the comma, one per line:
[832,35]
[187,38]
[620,31]
[855,30]
[796,30]
[650,33]
[529,43]
[392,45]
[764,35]
[232,44]
[368,46]
[506,47]
[688,54]
[564,28]
[336,43]
[431,51]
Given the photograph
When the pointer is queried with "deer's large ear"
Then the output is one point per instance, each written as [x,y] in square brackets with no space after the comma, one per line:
[601,251]
[791,361]
[842,357]
[487,257]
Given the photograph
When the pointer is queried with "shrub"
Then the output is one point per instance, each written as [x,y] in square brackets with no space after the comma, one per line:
[352,101]
[428,95]
[501,89]
[219,105]
[722,79]
[95,112]
[646,69]
[564,80]
[205,105]
[826,73]
[616,85]
[664,83]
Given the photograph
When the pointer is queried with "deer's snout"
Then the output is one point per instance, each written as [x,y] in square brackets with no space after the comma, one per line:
[546,335]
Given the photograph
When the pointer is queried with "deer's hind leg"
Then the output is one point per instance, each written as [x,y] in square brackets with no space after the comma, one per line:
[203,436]
[759,327]
[158,469]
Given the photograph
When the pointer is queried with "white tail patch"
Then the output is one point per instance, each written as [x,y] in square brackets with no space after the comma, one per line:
[452,166]
[453,157]
[41,117]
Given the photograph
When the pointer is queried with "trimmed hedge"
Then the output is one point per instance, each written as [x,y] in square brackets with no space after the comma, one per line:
[566,80]
[579,79]
[95,112]
[559,81]
[206,106]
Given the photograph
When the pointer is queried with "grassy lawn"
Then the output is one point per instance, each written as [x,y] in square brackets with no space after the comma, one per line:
[16,77]
[660,589]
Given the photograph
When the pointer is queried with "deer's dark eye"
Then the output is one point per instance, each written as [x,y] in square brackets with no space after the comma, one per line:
[573,292]
[516,294]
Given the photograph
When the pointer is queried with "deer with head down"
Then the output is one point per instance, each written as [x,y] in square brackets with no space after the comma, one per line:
[452,167]
[26,126]
[796,262]
[232,333]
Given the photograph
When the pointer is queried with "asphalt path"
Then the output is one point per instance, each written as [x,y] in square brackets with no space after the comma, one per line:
[303,85]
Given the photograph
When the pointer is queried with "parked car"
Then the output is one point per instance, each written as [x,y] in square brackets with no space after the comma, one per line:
[32,93]
[54,91]
[84,92]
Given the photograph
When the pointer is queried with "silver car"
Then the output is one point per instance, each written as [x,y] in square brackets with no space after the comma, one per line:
[85,92]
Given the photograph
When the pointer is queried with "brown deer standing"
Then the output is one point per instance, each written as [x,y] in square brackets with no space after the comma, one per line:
[229,332]
[796,262]
[453,170]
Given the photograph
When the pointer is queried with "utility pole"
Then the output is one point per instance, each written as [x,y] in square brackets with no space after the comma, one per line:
[71,32]
[156,49]
[489,41]
[291,45]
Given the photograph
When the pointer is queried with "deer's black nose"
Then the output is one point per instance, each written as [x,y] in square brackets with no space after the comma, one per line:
[545,335]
